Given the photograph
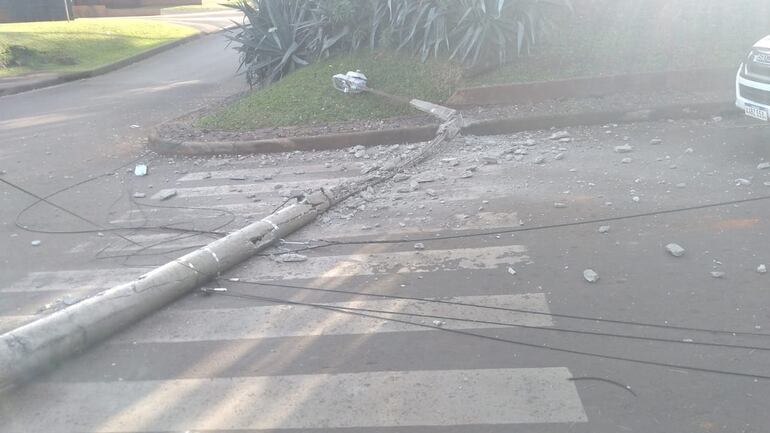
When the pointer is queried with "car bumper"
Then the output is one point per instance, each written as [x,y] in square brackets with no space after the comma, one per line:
[749,93]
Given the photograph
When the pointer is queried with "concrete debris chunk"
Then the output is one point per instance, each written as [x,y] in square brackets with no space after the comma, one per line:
[419,246]
[559,135]
[530,142]
[675,250]
[140,195]
[140,170]
[590,275]
[438,323]
[604,229]
[689,150]
[717,274]
[466,175]
[489,160]
[626,148]
[565,140]
[763,166]
[636,199]
[539,160]
[292,258]
[656,141]
[167,194]
[626,160]
[559,156]
[742,182]
[559,205]
[400,177]
[762,269]
[431,192]
[511,270]
[36,243]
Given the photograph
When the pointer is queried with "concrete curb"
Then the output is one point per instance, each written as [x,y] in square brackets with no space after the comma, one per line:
[425,133]
[526,93]
[43,343]
[674,111]
[319,142]
[66,78]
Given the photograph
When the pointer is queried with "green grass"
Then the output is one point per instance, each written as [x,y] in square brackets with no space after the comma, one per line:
[206,5]
[608,37]
[79,45]
[308,96]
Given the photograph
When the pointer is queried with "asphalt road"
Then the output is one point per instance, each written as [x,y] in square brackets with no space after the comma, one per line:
[497,330]
[58,136]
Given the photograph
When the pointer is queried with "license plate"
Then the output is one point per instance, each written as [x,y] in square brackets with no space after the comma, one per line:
[757,113]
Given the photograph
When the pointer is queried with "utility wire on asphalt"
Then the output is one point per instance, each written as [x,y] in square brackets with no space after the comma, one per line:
[330,243]
[354,312]
[555,329]
[506,309]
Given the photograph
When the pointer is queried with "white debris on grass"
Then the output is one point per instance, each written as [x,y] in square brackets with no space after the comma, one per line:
[675,250]
[590,275]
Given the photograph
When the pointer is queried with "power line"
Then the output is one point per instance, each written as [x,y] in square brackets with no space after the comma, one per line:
[511,310]
[354,312]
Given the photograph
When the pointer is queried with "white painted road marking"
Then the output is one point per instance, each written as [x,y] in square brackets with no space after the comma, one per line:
[360,400]
[389,262]
[279,321]
[84,280]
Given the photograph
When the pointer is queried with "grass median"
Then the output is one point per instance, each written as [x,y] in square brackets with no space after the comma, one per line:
[307,95]
[79,45]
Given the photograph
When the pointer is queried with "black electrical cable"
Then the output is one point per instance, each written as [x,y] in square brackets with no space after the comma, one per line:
[559,330]
[511,310]
[63,209]
[351,311]
[329,243]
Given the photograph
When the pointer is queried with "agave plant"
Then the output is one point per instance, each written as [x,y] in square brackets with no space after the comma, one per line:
[490,29]
[279,36]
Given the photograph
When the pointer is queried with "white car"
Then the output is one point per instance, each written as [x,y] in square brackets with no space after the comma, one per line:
[752,85]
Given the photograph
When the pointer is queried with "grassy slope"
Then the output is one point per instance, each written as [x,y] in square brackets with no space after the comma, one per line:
[308,96]
[206,5]
[626,36]
[85,43]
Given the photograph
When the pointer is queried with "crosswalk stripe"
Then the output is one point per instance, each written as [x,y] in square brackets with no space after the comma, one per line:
[246,188]
[351,400]
[389,262]
[477,221]
[280,321]
[261,172]
[8,323]
[81,280]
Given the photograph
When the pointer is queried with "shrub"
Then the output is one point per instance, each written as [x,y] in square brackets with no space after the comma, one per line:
[283,35]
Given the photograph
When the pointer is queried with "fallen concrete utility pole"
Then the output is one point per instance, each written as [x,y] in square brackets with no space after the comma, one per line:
[44,343]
